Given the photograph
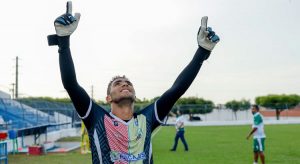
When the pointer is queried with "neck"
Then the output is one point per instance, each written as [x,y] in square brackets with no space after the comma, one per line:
[122,110]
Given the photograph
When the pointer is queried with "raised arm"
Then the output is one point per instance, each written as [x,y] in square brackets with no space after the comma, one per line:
[78,95]
[65,25]
[206,41]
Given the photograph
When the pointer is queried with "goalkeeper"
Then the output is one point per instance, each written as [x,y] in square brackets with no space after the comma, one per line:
[122,135]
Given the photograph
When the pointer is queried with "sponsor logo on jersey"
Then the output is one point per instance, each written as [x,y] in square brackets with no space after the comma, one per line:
[119,156]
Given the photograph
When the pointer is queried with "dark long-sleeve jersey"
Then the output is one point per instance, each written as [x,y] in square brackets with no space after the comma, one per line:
[113,140]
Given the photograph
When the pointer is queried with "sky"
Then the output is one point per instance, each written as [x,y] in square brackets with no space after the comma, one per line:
[151,42]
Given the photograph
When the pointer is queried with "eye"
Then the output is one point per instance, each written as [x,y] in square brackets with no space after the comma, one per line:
[117,83]
[129,83]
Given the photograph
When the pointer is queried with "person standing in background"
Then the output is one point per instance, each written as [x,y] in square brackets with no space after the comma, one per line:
[179,125]
[258,135]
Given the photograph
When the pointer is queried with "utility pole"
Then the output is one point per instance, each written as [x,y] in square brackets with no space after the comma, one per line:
[17,79]
[92,94]
[12,90]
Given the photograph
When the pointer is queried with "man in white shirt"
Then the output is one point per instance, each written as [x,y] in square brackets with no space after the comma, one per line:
[179,125]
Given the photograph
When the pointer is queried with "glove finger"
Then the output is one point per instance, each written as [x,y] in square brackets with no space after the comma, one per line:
[69,7]
[209,29]
[215,39]
[61,20]
[77,16]
[204,23]
[70,18]
[66,19]
[211,34]
[199,31]
[204,32]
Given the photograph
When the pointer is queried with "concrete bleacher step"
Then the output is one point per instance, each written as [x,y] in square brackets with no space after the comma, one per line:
[63,147]
[60,147]
[20,115]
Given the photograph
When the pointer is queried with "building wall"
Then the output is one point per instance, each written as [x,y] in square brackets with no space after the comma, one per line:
[51,137]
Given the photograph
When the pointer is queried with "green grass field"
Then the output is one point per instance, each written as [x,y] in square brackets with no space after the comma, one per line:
[208,145]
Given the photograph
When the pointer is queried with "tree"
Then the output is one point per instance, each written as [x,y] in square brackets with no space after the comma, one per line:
[278,102]
[194,105]
[50,99]
[236,105]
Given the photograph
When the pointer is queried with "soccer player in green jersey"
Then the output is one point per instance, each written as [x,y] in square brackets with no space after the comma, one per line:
[258,135]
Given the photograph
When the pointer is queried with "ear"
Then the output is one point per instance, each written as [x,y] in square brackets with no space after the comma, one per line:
[108,99]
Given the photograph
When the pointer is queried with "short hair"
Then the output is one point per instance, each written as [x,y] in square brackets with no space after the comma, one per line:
[256,107]
[112,80]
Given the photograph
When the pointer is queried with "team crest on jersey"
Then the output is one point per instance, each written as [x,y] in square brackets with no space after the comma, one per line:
[139,134]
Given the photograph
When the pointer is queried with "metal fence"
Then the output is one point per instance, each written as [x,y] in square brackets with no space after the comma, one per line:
[25,113]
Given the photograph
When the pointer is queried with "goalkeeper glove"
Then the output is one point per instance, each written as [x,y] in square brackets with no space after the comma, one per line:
[66,24]
[206,38]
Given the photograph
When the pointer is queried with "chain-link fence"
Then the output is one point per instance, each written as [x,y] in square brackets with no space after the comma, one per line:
[27,113]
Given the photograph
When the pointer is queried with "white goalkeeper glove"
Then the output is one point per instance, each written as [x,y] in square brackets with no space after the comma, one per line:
[206,38]
[66,24]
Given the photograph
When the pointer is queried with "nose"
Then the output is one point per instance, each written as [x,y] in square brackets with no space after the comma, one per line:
[124,84]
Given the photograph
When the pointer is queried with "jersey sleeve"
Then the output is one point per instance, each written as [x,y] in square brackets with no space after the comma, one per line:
[92,115]
[151,115]
[81,100]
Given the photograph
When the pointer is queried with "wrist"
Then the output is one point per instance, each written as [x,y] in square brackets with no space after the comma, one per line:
[203,49]
[204,53]
[63,42]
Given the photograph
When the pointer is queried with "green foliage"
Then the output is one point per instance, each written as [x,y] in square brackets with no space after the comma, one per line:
[50,99]
[279,102]
[193,100]
[142,101]
[236,105]
[154,99]
[187,105]
[194,105]
[100,102]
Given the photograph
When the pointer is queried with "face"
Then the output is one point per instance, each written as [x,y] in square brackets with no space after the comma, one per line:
[253,110]
[121,89]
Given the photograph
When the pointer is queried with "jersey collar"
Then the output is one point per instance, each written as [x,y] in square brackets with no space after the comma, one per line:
[120,120]
[257,113]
